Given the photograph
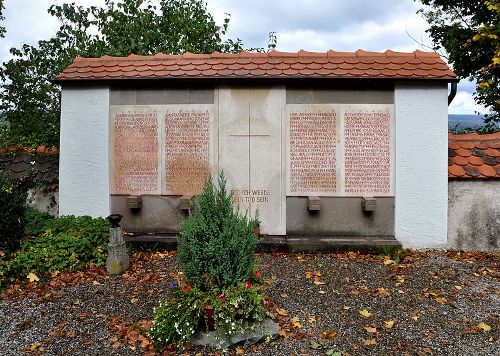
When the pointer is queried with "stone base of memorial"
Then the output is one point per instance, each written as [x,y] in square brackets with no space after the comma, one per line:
[252,333]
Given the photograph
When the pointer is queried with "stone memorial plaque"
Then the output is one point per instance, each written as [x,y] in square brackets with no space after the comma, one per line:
[367,151]
[312,150]
[251,153]
[135,150]
[188,145]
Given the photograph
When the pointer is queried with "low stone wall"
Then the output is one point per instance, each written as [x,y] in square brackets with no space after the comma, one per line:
[474,215]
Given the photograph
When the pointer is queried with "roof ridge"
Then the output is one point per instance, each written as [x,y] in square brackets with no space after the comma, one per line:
[273,53]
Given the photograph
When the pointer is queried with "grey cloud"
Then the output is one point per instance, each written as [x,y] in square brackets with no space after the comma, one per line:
[252,20]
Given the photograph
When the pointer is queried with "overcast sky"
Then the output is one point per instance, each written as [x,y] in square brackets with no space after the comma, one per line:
[312,25]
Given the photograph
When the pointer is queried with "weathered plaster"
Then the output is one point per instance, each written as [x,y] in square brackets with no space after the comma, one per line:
[474,215]
[84,160]
[421,197]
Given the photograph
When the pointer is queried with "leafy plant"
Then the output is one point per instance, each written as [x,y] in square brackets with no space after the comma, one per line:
[12,206]
[395,254]
[64,243]
[182,314]
[216,243]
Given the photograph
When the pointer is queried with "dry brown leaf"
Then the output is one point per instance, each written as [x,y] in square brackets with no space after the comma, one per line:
[414,314]
[116,345]
[483,327]
[33,277]
[295,322]
[441,300]
[328,334]
[365,313]
[370,329]
[240,351]
[370,342]
[281,311]
[35,346]
[389,324]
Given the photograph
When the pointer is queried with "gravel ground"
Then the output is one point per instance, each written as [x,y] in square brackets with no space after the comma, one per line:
[434,301]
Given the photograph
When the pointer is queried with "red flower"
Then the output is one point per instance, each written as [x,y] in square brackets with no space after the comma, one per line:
[248,284]
[186,288]
[257,274]
[222,296]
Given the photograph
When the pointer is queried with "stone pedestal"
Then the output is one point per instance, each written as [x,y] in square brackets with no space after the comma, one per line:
[117,261]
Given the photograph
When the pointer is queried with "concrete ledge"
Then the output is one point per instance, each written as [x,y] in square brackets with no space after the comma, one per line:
[294,244]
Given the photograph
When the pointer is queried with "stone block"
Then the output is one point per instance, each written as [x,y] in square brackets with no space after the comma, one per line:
[313,203]
[118,260]
[134,202]
[253,333]
[186,203]
[368,204]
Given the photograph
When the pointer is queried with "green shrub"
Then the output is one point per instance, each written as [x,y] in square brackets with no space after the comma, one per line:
[36,222]
[12,206]
[67,242]
[215,241]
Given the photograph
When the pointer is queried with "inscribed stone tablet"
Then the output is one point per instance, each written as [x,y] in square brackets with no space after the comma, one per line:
[367,153]
[187,150]
[312,152]
[135,151]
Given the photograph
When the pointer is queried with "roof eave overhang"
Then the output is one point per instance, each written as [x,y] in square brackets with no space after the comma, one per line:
[243,80]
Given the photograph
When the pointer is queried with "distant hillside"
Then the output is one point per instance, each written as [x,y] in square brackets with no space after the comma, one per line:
[458,122]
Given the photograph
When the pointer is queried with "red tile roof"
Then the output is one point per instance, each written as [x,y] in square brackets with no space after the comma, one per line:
[474,156]
[332,64]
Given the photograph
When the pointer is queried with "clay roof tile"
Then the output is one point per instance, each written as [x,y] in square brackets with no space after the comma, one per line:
[475,154]
[331,64]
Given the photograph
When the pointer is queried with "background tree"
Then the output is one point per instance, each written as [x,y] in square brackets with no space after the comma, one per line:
[469,31]
[30,101]
[2,29]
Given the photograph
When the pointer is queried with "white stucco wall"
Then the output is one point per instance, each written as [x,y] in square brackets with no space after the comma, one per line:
[421,195]
[84,157]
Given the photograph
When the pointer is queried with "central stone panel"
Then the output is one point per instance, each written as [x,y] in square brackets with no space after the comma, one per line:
[251,152]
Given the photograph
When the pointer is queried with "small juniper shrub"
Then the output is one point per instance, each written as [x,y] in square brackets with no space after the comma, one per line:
[216,240]
[219,287]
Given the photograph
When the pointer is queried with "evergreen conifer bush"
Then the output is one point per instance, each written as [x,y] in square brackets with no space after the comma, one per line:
[218,287]
[216,242]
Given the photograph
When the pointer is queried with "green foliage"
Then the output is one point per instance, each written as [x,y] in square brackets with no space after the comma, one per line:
[394,253]
[469,31]
[216,243]
[65,243]
[179,316]
[36,222]
[31,102]
[12,206]
[2,29]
